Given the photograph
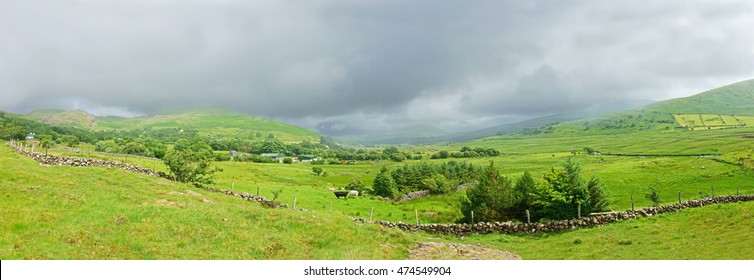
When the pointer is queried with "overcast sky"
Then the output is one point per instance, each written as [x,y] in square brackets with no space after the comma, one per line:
[339,66]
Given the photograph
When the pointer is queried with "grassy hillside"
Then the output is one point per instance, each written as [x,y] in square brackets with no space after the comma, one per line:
[221,122]
[75,118]
[734,99]
[100,213]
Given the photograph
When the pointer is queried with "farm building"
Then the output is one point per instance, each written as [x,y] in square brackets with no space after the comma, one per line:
[31,136]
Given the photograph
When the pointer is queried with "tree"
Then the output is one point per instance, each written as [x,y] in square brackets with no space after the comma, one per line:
[46,144]
[317,170]
[561,192]
[523,193]
[390,150]
[189,161]
[70,140]
[436,184]
[384,185]
[357,185]
[491,199]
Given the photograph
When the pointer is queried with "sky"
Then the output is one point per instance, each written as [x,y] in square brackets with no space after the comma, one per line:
[341,67]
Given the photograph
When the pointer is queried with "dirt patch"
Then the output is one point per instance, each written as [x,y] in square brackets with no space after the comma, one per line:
[455,251]
[193,193]
[167,203]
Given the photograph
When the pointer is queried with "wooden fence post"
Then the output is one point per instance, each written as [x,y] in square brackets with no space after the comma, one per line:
[736,190]
[257,190]
[713,191]
[528,217]
[370,214]
[294,202]
[233,185]
[679,197]
[472,217]
[416,213]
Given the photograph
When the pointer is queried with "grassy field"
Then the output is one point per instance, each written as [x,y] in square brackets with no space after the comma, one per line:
[99,213]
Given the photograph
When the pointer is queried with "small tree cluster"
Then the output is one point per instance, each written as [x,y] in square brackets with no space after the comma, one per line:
[437,178]
[558,195]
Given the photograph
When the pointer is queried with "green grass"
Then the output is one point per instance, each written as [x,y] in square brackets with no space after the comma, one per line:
[219,122]
[99,213]
[716,232]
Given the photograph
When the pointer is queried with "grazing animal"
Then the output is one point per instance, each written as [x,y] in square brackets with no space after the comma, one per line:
[353,193]
[339,194]
[331,189]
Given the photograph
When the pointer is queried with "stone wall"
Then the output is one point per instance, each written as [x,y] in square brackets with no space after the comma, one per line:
[554,226]
[51,160]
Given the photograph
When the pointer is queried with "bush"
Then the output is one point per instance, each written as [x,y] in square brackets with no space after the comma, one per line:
[189,161]
[653,196]
[317,170]
[287,160]
[357,185]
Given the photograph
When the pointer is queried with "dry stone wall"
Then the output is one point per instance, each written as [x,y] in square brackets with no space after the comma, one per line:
[51,160]
[554,226]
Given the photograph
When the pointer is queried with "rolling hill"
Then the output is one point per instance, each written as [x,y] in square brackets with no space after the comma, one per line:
[214,121]
[733,99]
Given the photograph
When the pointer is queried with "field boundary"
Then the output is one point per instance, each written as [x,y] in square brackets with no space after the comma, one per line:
[52,160]
[601,219]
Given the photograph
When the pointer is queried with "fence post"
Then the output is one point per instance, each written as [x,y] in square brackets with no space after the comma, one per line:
[294,202]
[257,190]
[370,214]
[713,191]
[233,185]
[632,203]
[736,190]
[528,217]
[472,217]
[679,197]
[416,213]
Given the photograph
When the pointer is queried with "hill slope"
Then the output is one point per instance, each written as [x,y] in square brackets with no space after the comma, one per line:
[733,99]
[74,118]
[221,122]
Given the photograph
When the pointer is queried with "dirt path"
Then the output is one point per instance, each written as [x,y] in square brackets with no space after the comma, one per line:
[455,251]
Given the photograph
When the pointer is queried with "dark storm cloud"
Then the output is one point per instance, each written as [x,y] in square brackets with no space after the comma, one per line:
[367,65]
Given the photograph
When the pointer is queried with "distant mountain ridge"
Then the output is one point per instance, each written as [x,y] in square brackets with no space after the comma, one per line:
[214,121]
[406,137]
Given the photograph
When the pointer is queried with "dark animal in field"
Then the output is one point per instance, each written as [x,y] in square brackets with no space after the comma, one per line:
[339,194]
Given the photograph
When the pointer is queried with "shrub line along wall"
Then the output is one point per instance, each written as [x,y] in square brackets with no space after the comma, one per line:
[51,160]
[555,226]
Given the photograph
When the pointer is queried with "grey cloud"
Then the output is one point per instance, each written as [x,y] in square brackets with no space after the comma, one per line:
[367,65]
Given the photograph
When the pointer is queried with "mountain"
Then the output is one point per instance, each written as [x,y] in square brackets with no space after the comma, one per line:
[733,99]
[401,136]
[207,121]
[74,118]
[415,135]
